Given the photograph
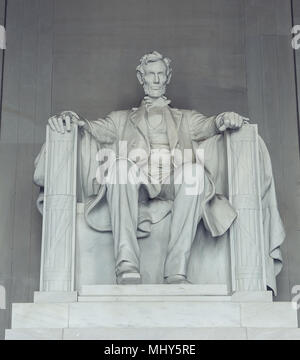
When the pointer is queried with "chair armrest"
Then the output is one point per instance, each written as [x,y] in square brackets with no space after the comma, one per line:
[59,214]
[246,233]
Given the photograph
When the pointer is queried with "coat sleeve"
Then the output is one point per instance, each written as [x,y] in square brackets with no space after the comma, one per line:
[203,127]
[103,130]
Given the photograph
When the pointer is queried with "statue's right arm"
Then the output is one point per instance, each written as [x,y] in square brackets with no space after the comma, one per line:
[103,130]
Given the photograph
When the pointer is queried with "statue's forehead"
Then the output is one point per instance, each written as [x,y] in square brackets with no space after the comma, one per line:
[155,65]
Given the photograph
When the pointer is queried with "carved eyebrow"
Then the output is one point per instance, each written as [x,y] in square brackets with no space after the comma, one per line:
[152,72]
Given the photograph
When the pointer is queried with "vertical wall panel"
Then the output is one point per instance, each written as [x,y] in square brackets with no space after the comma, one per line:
[272,105]
[8,151]
[98,45]
[26,107]
[42,113]
[25,153]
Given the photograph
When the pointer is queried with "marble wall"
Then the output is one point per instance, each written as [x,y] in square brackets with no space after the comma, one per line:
[81,55]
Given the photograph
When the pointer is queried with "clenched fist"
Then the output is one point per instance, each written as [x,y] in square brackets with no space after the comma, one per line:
[62,122]
[230,120]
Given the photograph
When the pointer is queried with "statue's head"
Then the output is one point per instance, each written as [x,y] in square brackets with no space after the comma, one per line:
[154,73]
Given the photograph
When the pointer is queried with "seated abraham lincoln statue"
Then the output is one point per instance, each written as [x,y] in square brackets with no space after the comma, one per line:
[160,163]
[141,174]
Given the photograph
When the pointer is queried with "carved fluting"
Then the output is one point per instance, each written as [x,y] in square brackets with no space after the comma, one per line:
[57,266]
[246,233]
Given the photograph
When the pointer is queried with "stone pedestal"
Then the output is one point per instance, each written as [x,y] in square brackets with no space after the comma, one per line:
[153,312]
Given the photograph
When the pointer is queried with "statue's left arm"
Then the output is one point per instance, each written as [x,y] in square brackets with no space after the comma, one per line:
[203,127]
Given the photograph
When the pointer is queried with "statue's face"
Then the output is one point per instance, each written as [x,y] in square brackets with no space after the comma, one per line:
[155,79]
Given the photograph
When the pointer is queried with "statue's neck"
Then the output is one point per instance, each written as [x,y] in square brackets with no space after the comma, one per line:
[155,102]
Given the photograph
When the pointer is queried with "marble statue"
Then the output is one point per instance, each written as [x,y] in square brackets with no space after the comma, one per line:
[153,169]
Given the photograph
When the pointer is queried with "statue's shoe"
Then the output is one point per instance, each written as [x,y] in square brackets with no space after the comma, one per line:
[177,279]
[129,278]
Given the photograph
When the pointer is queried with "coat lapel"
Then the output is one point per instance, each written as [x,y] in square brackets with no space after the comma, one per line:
[173,119]
[138,118]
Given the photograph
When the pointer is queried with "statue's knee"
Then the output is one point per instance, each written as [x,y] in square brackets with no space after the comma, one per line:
[192,177]
[193,166]
[193,171]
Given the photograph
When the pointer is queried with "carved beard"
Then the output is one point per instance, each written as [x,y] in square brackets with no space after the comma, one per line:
[155,93]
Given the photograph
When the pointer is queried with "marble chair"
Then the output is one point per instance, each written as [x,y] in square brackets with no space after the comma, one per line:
[73,254]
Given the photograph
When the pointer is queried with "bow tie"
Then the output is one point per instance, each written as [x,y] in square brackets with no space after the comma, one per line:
[155,103]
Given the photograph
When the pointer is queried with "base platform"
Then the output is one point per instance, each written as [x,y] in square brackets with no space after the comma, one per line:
[153,312]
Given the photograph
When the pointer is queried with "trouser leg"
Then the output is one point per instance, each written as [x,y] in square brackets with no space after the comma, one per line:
[186,214]
[122,197]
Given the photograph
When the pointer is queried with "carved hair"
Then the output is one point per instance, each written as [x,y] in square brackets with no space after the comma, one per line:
[153,57]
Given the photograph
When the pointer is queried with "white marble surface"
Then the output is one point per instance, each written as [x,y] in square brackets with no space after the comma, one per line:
[55,296]
[252,296]
[273,334]
[122,311]
[127,316]
[154,314]
[40,315]
[153,290]
[156,334]
[34,334]
[265,315]
[163,298]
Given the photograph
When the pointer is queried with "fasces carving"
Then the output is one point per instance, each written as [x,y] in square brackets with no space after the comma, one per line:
[58,244]
[246,233]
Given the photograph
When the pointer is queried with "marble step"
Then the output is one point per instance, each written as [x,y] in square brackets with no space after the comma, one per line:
[258,296]
[134,294]
[157,314]
[155,334]
[164,298]
[155,290]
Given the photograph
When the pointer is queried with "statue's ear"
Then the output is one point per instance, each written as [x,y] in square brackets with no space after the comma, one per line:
[140,77]
[169,77]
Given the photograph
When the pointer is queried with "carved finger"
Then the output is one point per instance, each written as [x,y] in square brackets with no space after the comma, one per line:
[232,122]
[73,115]
[61,125]
[55,123]
[235,120]
[77,121]
[68,123]
[227,122]
[240,121]
[50,122]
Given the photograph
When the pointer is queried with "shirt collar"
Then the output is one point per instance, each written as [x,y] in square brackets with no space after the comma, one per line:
[160,103]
